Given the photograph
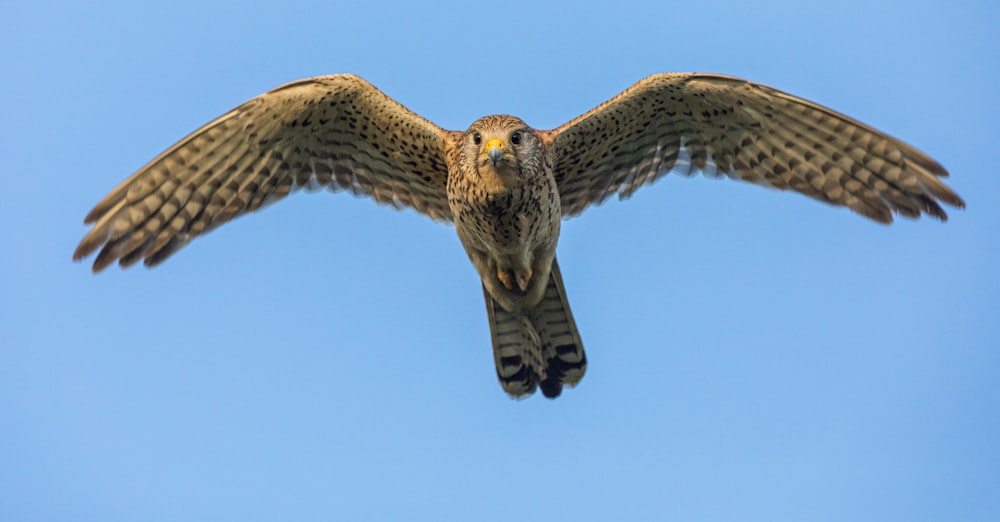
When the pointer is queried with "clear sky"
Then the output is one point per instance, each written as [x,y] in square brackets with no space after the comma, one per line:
[754,355]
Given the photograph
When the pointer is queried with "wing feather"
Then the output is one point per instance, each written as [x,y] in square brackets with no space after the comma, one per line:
[721,125]
[337,132]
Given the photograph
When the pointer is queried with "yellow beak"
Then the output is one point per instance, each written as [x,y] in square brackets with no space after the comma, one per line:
[494,149]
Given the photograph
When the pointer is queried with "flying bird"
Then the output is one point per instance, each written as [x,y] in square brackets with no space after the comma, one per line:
[505,185]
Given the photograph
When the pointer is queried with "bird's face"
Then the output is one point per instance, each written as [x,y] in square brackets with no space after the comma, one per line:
[501,144]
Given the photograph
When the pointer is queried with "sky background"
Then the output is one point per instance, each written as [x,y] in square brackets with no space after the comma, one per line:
[754,355]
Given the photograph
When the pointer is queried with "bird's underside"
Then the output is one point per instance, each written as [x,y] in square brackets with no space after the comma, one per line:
[505,184]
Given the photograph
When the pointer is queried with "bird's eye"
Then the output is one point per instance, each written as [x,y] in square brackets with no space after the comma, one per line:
[515,138]
[477,138]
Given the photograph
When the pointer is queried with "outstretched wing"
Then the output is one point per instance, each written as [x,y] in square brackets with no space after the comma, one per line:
[727,126]
[338,132]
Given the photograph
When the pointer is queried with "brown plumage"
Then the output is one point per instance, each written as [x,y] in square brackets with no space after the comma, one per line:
[505,184]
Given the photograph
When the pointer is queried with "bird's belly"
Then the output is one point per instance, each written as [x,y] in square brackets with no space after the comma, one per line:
[513,240]
[511,236]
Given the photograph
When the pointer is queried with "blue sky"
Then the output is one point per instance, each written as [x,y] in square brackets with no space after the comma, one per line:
[754,355]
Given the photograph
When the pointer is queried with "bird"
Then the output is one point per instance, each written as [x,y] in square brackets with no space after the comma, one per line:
[505,185]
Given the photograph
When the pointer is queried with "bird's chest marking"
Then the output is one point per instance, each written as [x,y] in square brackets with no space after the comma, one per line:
[501,221]
[496,205]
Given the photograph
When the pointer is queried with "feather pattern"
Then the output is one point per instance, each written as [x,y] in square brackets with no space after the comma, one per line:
[727,126]
[337,132]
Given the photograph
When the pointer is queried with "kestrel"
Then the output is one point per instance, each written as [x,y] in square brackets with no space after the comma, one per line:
[506,185]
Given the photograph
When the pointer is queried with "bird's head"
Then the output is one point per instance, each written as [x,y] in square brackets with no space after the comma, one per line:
[502,144]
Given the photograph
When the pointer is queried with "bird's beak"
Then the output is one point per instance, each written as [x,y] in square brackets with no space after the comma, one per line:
[494,149]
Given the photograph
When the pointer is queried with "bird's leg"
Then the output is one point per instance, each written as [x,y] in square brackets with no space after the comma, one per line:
[523,278]
[509,277]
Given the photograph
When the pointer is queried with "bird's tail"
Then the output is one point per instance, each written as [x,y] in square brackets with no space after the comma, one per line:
[537,348]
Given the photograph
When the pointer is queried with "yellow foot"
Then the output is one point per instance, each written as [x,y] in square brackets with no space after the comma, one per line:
[523,279]
[509,277]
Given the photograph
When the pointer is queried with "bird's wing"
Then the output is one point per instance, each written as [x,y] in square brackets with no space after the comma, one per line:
[338,132]
[727,126]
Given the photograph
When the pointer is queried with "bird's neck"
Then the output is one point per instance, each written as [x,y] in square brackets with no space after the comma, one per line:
[496,181]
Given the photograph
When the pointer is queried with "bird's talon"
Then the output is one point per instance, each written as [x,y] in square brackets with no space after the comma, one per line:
[506,278]
[523,279]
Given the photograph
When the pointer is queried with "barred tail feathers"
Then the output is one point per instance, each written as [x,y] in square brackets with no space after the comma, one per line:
[537,348]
